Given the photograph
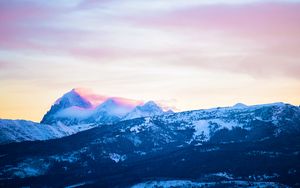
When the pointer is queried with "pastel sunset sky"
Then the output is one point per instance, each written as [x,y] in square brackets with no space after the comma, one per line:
[186,54]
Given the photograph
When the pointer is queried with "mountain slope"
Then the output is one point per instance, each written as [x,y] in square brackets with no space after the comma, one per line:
[250,144]
[21,130]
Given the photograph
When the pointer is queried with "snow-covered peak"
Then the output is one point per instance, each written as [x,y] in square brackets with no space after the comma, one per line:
[150,106]
[68,100]
[82,106]
[73,98]
[169,112]
[148,109]
[109,103]
[113,106]
[239,105]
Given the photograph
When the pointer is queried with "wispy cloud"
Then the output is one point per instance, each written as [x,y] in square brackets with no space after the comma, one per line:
[257,39]
[152,49]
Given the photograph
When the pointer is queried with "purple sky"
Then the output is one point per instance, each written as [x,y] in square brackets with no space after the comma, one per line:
[184,54]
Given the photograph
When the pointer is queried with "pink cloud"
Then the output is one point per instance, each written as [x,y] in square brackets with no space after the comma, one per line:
[4,64]
[12,12]
[24,26]
[273,29]
[87,94]
[253,18]
[86,4]
[94,53]
[96,99]
[127,102]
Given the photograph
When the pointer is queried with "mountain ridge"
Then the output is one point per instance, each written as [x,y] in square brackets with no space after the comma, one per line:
[72,108]
[262,140]
[201,126]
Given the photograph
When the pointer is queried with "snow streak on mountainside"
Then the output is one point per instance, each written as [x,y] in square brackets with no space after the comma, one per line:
[74,108]
[21,130]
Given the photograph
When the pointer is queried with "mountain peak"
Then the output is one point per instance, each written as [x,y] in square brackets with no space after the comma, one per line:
[81,105]
[73,98]
[113,107]
[150,104]
[109,103]
[69,99]
[239,105]
[150,108]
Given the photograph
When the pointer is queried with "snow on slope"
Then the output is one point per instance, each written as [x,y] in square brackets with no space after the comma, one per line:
[204,124]
[21,130]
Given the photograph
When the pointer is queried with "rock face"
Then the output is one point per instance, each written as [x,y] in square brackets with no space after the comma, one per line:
[249,146]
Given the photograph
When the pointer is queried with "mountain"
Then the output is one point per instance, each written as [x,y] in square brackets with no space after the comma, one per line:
[21,130]
[73,98]
[111,111]
[240,105]
[148,109]
[256,146]
[74,109]
[70,107]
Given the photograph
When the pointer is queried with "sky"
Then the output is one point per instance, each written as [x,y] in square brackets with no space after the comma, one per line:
[183,54]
